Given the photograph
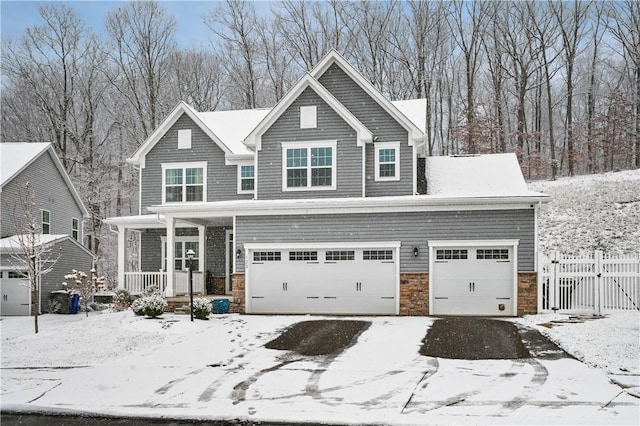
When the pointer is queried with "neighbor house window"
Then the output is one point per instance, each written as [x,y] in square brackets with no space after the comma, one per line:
[246,178]
[181,246]
[387,162]
[184,182]
[309,165]
[75,228]
[46,222]
[184,139]
[308,117]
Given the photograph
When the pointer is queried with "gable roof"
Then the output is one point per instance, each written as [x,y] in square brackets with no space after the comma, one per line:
[11,245]
[254,139]
[17,156]
[496,175]
[416,135]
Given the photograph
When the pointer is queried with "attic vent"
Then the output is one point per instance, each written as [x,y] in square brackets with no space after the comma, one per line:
[184,139]
[308,117]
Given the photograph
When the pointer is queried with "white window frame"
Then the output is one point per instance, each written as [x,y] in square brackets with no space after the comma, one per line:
[308,117]
[240,190]
[184,139]
[333,144]
[42,222]
[387,145]
[184,166]
[76,230]
[185,262]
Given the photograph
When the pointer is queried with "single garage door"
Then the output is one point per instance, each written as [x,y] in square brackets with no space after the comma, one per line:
[473,281]
[352,280]
[15,293]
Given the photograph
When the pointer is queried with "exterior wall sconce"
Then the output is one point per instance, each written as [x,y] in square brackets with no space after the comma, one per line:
[415,252]
[238,253]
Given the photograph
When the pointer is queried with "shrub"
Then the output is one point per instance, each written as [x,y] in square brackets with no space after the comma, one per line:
[122,299]
[154,306]
[138,307]
[201,308]
[54,306]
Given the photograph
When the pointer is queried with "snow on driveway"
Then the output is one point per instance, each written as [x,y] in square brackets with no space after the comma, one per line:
[118,364]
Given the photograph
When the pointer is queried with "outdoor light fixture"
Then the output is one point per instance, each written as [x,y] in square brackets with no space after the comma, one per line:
[238,253]
[415,252]
[190,255]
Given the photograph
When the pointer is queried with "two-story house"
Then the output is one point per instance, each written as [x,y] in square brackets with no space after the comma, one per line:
[34,170]
[313,207]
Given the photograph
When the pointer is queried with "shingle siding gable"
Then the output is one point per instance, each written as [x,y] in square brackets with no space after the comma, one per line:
[51,193]
[222,182]
[384,128]
[330,126]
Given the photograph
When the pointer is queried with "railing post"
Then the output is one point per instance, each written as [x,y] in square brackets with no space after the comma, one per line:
[598,261]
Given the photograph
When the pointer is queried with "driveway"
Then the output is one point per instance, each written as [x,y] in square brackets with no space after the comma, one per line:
[383,373]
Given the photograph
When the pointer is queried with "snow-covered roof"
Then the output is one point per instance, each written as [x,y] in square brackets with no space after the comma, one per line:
[232,127]
[415,110]
[12,244]
[487,175]
[15,156]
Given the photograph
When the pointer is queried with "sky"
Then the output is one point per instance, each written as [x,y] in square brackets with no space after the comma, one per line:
[17,16]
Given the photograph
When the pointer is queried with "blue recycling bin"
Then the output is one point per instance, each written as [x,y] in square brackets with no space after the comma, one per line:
[220,306]
[75,302]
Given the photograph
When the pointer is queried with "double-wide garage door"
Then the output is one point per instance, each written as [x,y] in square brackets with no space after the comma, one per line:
[473,280]
[317,280]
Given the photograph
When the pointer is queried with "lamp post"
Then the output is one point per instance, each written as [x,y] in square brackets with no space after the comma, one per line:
[190,255]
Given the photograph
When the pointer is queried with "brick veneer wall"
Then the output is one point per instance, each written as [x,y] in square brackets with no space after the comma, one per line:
[527,293]
[414,293]
[238,302]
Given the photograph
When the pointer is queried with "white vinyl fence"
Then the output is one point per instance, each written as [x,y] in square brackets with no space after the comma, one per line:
[592,283]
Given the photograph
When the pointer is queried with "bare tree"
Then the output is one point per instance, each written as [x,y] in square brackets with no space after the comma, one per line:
[196,77]
[33,257]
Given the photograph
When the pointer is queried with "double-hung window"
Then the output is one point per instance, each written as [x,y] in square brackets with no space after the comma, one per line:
[46,222]
[184,182]
[387,161]
[181,246]
[309,166]
[75,228]
[246,178]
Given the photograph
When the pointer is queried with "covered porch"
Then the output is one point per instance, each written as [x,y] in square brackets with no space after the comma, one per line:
[145,260]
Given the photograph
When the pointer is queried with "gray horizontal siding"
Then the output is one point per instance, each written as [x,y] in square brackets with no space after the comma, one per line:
[222,180]
[51,193]
[413,229]
[384,128]
[330,126]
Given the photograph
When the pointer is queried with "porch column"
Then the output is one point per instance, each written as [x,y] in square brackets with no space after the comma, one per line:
[203,249]
[171,255]
[121,255]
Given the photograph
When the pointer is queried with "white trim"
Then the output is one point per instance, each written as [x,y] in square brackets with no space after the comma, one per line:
[77,229]
[182,239]
[227,270]
[139,190]
[42,222]
[184,139]
[414,176]
[364,171]
[322,245]
[386,145]
[308,117]
[239,175]
[513,244]
[308,145]
[184,166]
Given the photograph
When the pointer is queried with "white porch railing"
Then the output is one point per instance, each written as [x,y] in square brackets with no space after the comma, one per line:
[181,282]
[139,282]
[592,283]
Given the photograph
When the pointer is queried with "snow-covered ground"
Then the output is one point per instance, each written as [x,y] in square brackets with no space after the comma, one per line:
[594,212]
[119,364]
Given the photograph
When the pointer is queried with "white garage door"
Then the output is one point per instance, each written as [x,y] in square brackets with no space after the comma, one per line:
[322,280]
[473,281]
[15,294]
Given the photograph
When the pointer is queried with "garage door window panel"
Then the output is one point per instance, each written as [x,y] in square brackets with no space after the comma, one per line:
[377,255]
[339,255]
[492,254]
[309,256]
[267,256]
[451,254]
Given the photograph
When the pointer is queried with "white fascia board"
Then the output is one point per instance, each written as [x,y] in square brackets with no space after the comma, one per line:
[138,158]
[416,136]
[238,159]
[254,139]
[138,221]
[343,205]
[322,245]
[473,243]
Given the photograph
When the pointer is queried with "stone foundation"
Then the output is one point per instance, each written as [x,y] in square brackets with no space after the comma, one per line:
[414,294]
[527,293]
[238,302]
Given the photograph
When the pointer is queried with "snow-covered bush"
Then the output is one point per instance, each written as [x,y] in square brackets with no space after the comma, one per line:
[154,305]
[138,307]
[201,308]
[122,299]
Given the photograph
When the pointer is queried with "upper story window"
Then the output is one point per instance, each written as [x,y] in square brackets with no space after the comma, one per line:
[387,161]
[184,182]
[184,139]
[246,178]
[75,228]
[309,166]
[46,222]
[308,117]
